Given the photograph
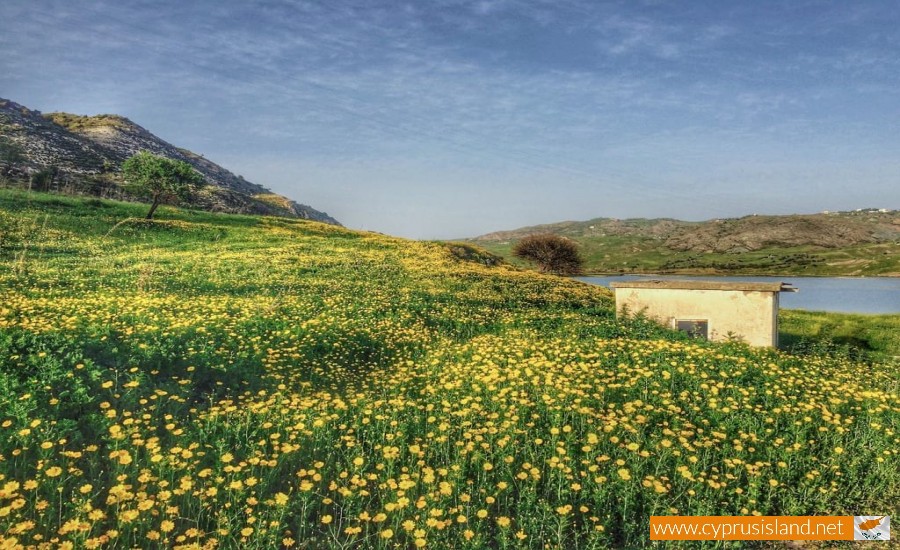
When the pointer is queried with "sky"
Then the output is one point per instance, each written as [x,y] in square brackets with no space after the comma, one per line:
[454,118]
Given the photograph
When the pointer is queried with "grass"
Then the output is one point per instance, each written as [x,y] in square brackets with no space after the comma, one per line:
[221,381]
[79,122]
[637,254]
[863,337]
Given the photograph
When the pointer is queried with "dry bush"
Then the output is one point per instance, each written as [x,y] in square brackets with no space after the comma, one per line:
[551,253]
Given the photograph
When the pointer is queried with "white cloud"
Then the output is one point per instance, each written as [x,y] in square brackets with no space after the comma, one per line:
[575,95]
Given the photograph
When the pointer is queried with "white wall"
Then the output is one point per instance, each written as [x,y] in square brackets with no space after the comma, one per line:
[750,315]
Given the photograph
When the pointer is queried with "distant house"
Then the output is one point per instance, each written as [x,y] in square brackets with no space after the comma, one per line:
[707,309]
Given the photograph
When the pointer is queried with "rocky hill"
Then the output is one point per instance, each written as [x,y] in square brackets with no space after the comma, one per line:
[861,242]
[87,152]
[832,230]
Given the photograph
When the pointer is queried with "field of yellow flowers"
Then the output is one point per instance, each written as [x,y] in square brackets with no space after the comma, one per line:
[213,381]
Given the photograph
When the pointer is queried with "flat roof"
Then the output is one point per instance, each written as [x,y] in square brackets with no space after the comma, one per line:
[707,285]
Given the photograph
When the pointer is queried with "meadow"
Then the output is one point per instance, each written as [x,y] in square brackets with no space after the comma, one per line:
[857,336]
[214,381]
[619,254]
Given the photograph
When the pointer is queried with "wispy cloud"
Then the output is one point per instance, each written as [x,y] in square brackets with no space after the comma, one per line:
[586,97]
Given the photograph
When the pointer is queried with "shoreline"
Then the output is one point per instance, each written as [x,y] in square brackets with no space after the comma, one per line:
[731,274]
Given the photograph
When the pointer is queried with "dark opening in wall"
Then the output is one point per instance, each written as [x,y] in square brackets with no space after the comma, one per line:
[697,328]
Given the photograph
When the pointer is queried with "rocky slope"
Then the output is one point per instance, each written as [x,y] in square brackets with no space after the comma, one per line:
[861,242]
[92,149]
[759,232]
[750,233]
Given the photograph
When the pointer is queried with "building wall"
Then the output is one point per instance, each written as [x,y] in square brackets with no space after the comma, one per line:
[750,315]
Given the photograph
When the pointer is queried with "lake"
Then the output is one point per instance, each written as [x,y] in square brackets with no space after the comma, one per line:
[839,294]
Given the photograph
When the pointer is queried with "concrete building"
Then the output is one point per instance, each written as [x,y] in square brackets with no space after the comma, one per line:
[707,309]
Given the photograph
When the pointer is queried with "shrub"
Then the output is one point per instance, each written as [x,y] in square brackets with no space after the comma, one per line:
[551,253]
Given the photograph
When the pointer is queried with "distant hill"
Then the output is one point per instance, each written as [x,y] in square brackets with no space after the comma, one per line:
[862,242]
[85,154]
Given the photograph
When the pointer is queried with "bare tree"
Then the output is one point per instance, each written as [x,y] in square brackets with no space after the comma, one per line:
[551,253]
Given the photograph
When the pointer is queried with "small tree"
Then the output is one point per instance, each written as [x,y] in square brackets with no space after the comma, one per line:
[11,155]
[160,179]
[551,253]
[43,180]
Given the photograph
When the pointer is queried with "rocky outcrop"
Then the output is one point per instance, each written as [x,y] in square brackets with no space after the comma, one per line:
[734,235]
[96,146]
[762,232]
[44,143]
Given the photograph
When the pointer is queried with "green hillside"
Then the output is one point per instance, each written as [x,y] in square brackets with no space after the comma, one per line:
[858,243]
[222,381]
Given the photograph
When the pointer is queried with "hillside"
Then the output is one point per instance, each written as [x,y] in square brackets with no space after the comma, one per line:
[865,242]
[86,152]
[222,381]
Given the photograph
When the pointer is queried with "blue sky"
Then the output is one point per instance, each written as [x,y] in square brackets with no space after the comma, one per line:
[452,118]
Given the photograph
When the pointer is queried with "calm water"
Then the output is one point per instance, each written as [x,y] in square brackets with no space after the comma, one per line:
[843,294]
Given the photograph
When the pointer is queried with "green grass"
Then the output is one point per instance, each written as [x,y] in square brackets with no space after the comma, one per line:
[636,254]
[873,337]
[252,382]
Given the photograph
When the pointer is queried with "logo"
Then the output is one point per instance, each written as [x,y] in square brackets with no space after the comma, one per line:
[871,527]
